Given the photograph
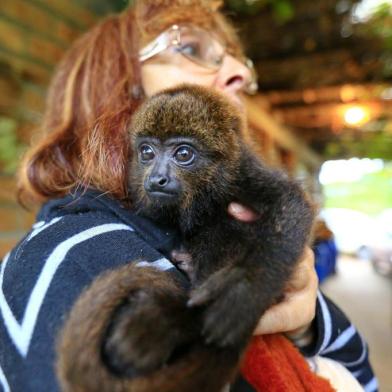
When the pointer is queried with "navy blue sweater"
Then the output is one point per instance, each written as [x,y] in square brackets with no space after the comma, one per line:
[74,240]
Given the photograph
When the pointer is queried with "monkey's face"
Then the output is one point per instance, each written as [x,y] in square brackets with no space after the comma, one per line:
[164,162]
[168,172]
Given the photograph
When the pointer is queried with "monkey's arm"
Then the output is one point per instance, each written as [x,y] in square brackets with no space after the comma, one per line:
[260,255]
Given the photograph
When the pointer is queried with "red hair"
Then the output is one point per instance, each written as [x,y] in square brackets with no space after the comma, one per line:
[87,114]
[92,97]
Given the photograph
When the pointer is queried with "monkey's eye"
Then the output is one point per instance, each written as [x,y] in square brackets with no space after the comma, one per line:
[184,155]
[146,152]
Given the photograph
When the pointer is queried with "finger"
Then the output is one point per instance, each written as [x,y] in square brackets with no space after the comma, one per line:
[303,273]
[290,315]
[240,212]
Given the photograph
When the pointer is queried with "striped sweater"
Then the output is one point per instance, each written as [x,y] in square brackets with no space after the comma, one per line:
[75,239]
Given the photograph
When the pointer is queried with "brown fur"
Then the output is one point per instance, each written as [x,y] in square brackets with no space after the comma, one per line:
[135,329]
[80,367]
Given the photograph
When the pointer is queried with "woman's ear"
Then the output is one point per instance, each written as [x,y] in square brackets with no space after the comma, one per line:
[215,4]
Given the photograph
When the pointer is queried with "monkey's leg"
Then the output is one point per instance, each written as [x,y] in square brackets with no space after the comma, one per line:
[127,322]
[150,329]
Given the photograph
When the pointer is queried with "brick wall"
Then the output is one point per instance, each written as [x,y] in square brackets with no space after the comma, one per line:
[33,37]
[14,220]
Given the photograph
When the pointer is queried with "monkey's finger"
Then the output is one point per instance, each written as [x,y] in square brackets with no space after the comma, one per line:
[206,292]
[228,320]
[200,297]
[221,323]
[216,284]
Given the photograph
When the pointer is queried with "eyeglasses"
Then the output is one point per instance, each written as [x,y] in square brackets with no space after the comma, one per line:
[197,45]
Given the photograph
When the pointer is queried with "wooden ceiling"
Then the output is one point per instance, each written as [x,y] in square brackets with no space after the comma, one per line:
[311,68]
[315,67]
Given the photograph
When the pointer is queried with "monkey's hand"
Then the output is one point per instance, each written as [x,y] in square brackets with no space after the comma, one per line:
[232,307]
[182,259]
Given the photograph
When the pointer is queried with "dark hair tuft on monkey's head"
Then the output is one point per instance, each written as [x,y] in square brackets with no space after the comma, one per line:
[194,111]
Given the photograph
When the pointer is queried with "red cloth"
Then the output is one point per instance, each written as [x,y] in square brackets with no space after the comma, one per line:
[273,364]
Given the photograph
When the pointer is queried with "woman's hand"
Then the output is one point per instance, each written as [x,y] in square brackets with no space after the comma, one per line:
[294,314]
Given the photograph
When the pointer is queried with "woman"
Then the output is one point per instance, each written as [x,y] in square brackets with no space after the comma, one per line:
[80,233]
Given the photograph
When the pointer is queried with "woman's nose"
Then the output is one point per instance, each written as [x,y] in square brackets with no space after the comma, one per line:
[233,75]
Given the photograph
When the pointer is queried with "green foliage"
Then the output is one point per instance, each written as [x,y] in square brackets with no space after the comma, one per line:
[283,10]
[10,148]
[380,26]
[371,194]
[103,7]
[371,144]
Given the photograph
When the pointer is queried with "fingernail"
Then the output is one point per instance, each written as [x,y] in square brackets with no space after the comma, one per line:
[190,303]
[237,208]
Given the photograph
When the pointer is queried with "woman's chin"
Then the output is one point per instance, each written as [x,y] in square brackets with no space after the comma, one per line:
[237,101]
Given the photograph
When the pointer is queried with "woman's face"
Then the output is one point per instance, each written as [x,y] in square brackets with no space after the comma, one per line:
[170,68]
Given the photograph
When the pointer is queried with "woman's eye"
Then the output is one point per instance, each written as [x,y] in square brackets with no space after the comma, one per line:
[190,49]
[146,153]
[184,155]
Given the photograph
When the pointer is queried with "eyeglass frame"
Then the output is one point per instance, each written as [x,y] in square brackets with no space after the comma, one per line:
[161,43]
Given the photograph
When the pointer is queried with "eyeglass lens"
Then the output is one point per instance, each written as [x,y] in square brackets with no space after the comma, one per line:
[199,46]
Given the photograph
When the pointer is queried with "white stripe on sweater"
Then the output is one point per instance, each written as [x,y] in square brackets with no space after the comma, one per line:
[342,340]
[4,382]
[39,226]
[161,264]
[361,358]
[357,373]
[327,322]
[371,386]
[21,333]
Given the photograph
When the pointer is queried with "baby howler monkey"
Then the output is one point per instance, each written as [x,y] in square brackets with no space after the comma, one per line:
[136,328]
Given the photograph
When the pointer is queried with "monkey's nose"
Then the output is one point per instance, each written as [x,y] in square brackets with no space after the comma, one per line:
[158,182]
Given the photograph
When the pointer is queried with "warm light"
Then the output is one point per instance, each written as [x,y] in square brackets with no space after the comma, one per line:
[356,115]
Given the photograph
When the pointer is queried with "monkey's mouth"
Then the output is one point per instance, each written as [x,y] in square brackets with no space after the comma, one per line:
[162,197]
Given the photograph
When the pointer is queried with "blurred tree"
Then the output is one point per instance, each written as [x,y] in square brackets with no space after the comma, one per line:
[379,25]
[283,10]
[10,148]
[371,194]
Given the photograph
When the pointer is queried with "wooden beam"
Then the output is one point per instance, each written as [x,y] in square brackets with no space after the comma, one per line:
[263,121]
[340,93]
[329,114]
[33,21]
[327,68]
[75,15]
